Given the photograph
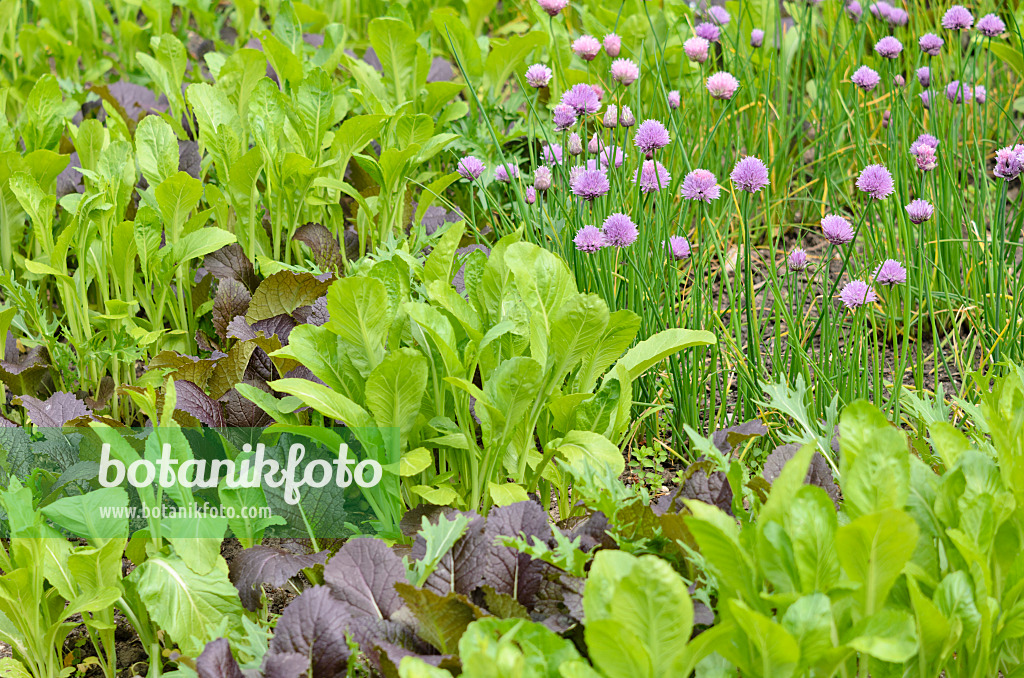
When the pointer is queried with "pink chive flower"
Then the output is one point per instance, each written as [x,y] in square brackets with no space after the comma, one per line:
[856,293]
[582,98]
[564,117]
[700,184]
[530,195]
[612,156]
[506,173]
[957,18]
[837,230]
[650,136]
[898,17]
[553,7]
[574,144]
[674,99]
[926,159]
[891,273]
[957,91]
[919,211]
[538,75]
[680,247]
[586,47]
[885,119]
[876,181]
[652,177]
[1009,162]
[866,78]
[696,49]
[797,259]
[750,174]
[589,239]
[595,144]
[854,10]
[626,119]
[612,45]
[470,168]
[619,230]
[756,37]
[625,72]
[924,76]
[922,141]
[888,47]
[722,85]
[708,31]
[926,98]
[991,26]
[980,94]
[552,153]
[719,15]
[542,178]
[611,116]
[931,44]
[590,184]
[899,80]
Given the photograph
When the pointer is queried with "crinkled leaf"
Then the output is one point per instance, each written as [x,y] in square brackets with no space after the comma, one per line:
[313,626]
[216,661]
[283,292]
[232,300]
[507,570]
[322,243]
[362,574]
[231,262]
[260,564]
[441,619]
[194,401]
[55,411]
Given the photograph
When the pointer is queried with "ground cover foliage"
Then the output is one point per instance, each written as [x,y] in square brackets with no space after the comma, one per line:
[688,337]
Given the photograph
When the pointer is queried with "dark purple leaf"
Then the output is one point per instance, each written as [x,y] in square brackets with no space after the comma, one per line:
[70,179]
[314,314]
[194,401]
[440,70]
[242,412]
[370,57]
[56,410]
[134,100]
[313,39]
[505,569]
[189,160]
[216,661]
[592,532]
[462,568]
[260,564]
[230,262]
[280,325]
[237,328]
[322,243]
[819,473]
[286,665]
[363,574]
[713,489]
[433,218]
[232,301]
[313,626]
[727,438]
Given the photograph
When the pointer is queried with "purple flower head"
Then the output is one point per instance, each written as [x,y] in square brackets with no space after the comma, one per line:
[574,144]
[837,230]
[885,119]
[612,155]
[957,18]
[506,173]
[553,7]
[470,168]
[586,47]
[876,181]
[719,15]
[700,184]
[924,76]
[598,92]
[931,44]
[888,47]
[899,80]
[652,176]
[538,75]
[866,78]
[798,259]
[542,178]
[750,174]
[530,195]
[756,37]
[854,10]
[589,239]
[980,94]
[552,153]
[612,45]
[898,17]
[926,159]
[674,99]
[722,85]
[919,211]
[619,230]
[890,273]
[856,293]
[590,184]
[926,98]
[611,116]
[880,10]
[595,144]
[582,98]
[625,71]
[924,140]
[650,136]
[1009,162]
[957,91]
[626,119]
[696,49]
[680,247]
[563,116]
[991,25]
[708,31]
